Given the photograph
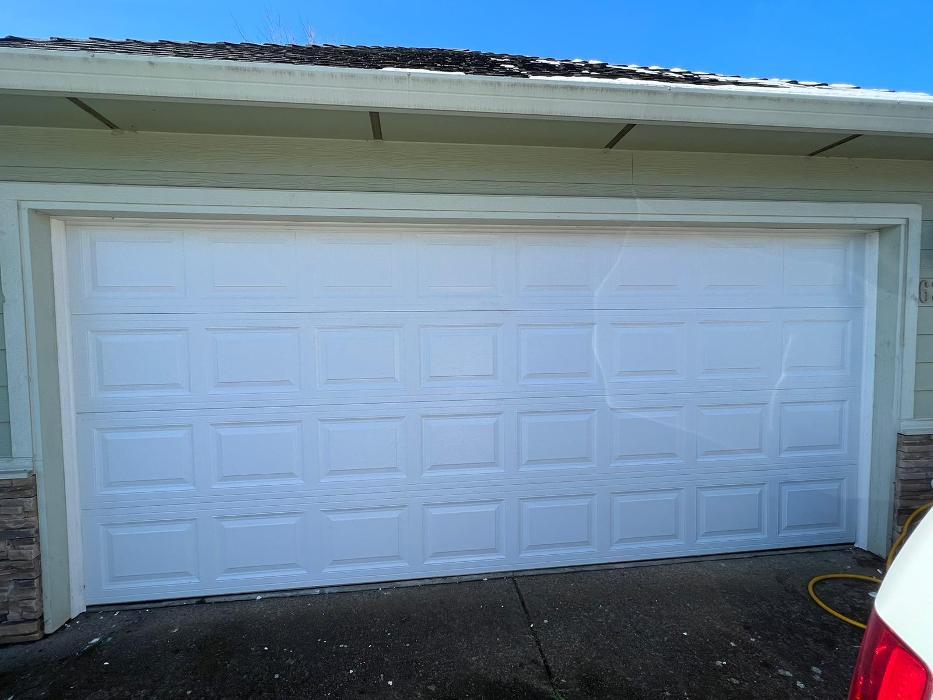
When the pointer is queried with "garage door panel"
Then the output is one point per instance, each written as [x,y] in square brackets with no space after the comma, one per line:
[732,267]
[464,355]
[129,362]
[459,532]
[816,506]
[260,546]
[363,449]
[139,552]
[646,350]
[254,359]
[734,512]
[290,451]
[248,454]
[264,545]
[279,406]
[550,267]
[821,347]
[152,362]
[823,267]
[116,265]
[465,444]
[467,266]
[139,458]
[642,435]
[243,267]
[736,347]
[816,427]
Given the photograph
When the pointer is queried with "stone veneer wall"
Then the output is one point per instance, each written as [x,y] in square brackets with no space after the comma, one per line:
[913,475]
[20,582]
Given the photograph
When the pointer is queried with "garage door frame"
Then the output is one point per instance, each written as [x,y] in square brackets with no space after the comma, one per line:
[37,213]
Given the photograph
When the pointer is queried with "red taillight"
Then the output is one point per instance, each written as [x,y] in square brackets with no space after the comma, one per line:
[887,669]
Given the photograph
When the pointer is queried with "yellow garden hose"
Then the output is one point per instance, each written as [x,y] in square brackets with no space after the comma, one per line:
[895,548]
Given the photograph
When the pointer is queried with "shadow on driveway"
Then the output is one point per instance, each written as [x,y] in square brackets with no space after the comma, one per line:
[714,628]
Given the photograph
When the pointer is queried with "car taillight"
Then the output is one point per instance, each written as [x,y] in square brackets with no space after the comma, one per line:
[887,669]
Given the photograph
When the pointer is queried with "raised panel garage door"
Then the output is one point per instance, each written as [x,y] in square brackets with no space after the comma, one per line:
[263,407]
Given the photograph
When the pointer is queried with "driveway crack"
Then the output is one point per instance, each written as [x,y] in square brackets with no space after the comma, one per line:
[534,635]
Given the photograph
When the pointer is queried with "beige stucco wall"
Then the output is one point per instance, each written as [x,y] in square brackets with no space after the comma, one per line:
[101,157]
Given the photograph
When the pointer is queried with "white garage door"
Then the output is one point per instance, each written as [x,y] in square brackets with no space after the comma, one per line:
[263,407]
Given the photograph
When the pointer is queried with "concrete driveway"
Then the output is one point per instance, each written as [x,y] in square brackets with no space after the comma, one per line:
[715,628]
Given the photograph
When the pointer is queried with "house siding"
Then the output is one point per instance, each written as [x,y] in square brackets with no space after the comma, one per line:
[5,437]
[923,396]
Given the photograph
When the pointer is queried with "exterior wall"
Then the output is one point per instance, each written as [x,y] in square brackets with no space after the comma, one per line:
[100,157]
[923,398]
[5,438]
[913,484]
[20,584]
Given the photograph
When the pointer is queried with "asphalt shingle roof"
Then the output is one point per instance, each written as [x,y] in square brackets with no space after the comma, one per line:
[400,58]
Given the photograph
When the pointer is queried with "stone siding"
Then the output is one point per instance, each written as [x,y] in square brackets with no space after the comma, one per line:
[20,581]
[913,485]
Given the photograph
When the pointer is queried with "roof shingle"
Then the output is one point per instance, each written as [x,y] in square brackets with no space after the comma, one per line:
[401,58]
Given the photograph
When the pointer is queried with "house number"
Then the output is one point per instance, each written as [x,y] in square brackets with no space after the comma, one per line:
[925,293]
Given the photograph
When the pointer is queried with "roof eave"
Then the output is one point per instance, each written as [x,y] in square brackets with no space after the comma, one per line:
[111,75]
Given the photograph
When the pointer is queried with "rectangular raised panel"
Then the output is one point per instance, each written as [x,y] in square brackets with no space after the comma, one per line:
[141,362]
[812,506]
[649,435]
[816,347]
[253,546]
[255,453]
[558,525]
[251,359]
[265,266]
[462,443]
[817,266]
[735,349]
[555,268]
[648,351]
[737,266]
[460,354]
[151,459]
[456,265]
[557,439]
[463,532]
[364,538]
[132,266]
[556,353]
[731,512]
[355,268]
[651,268]
[731,432]
[813,428]
[365,448]
[360,356]
[156,552]
[647,517]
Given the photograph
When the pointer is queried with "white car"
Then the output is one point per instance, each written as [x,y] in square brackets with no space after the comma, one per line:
[896,657]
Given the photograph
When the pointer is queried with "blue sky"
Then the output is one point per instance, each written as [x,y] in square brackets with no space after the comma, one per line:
[869,43]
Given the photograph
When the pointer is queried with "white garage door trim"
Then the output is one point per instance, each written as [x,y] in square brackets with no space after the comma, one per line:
[870,267]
